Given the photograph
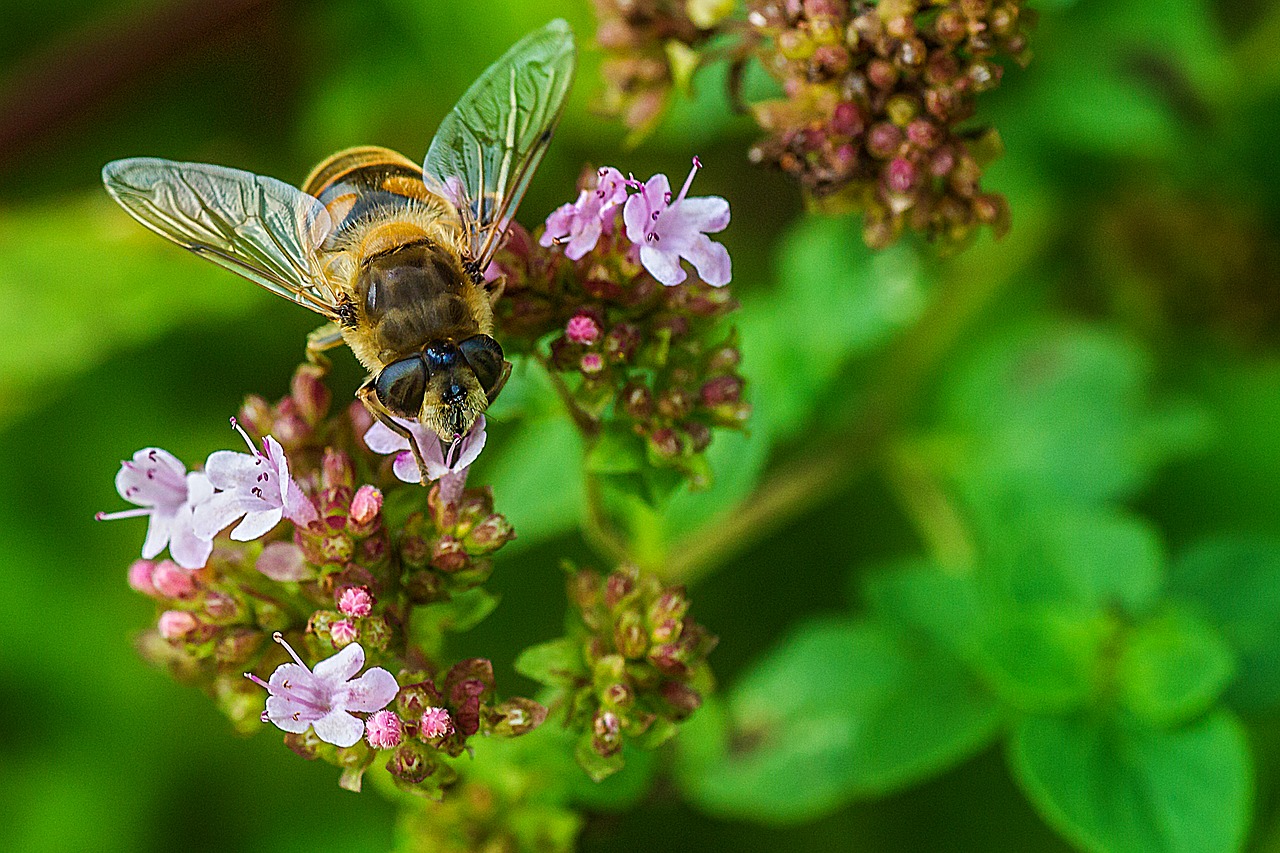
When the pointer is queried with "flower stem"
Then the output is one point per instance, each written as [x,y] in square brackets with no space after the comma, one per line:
[835,463]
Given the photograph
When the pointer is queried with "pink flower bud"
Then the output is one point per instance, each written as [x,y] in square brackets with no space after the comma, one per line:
[336,469]
[366,505]
[582,329]
[343,632]
[309,394]
[436,723]
[140,577]
[592,363]
[847,120]
[901,175]
[355,601]
[176,624]
[171,581]
[384,730]
[883,140]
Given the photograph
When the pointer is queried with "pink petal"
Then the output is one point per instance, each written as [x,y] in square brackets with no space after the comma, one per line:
[711,260]
[472,444]
[339,668]
[227,469]
[278,460]
[339,728]
[382,439]
[585,239]
[256,524]
[219,511]
[187,549]
[158,530]
[298,508]
[664,266]
[280,710]
[406,468]
[199,489]
[371,692]
[708,214]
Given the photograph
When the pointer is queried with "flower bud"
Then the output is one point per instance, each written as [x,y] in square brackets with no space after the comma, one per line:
[336,470]
[411,763]
[629,636]
[221,607]
[343,632]
[517,716]
[489,535]
[682,699]
[176,624]
[582,329]
[384,730]
[883,140]
[449,555]
[617,587]
[606,733]
[304,744]
[621,342]
[140,572]
[365,508]
[900,176]
[591,363]
[354,600]
[310,395]
[171,581]
[664,443]
[414,700]
[237,646]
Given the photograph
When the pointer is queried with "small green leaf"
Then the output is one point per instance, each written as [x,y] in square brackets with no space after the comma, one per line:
[598,767]
[1114,786]
[840,709]
[1235,583]
[1173,667]
[463,612]
[1042,659]
[558,663]
[919,596]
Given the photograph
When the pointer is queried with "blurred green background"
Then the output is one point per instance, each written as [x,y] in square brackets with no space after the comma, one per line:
[1112,362]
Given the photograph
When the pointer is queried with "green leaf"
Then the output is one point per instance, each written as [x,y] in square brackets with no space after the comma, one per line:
[616,451]
[558,663]
[1173,667]
[598,767]
[1042,659]
[1114,786]
[919,596]
[463,612]
[840,709]
[1235,583]
[1061,411]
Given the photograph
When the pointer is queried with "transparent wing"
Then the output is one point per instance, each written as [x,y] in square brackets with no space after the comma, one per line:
[259,227]
[488,147]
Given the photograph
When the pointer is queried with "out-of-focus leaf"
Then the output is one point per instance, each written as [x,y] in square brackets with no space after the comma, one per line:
[946,606]
[839,709]
[461,613]
[1060,410]
[1235,582]
[536,478]
[1043,659]
[616,451]
[1172,668]
[1112,785]
[80,280]
[558,662]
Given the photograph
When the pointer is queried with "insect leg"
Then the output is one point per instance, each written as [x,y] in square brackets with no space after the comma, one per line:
[365,394]
[324,338]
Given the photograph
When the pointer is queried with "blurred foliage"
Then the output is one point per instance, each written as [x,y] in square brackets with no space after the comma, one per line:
[1049,464]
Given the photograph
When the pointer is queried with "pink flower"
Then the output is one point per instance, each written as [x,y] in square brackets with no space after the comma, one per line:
[171,581]
[284,561]
[384,730]
[440,462]
[158,483]
[580,224]
[667,230]
[356,601]
[327,697]
[254,485]
[140,572]
[436,723]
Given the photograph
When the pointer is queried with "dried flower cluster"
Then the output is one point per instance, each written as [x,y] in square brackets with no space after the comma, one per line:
[876,96]
[650,362]
[630,668]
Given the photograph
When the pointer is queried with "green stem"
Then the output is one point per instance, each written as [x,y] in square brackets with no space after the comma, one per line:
[834,464]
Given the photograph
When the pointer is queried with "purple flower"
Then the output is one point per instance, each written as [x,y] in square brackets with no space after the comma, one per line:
[667,230]
[254,485]
[326,697]
[159,484]
[580,224]
[384,730]
[436,723]
[442,463]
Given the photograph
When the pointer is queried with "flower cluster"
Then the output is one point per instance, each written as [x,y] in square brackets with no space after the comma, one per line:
[596,298]
[275,544]
[649,47]
[631,667]
[875,96]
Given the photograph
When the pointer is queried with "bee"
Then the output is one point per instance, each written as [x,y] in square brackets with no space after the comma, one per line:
[391,254]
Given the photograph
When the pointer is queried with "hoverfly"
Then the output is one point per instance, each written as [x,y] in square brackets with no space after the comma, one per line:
[391,254]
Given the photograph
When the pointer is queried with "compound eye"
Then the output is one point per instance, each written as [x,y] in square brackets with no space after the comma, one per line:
[400,386]
[485,358]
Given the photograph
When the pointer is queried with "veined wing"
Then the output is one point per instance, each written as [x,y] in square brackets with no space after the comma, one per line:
[259,227]
[486,150]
